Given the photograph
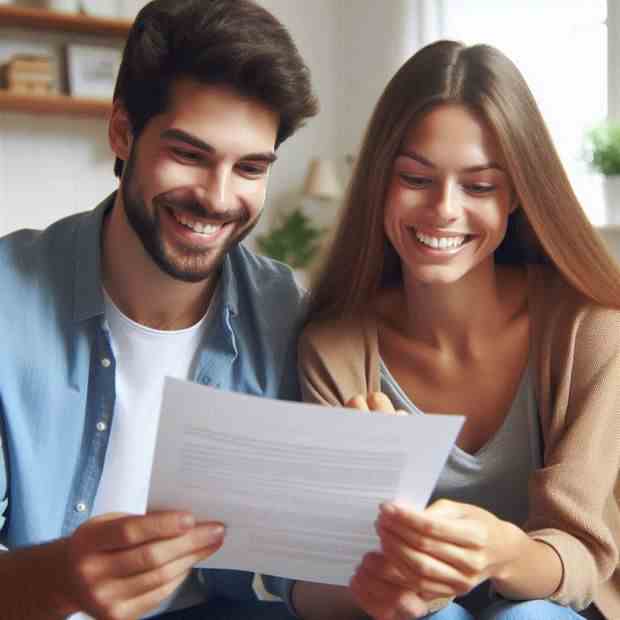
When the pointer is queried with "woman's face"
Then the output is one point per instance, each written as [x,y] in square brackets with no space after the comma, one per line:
[449,197]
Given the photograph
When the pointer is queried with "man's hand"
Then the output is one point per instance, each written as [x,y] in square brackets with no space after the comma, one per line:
[118,567]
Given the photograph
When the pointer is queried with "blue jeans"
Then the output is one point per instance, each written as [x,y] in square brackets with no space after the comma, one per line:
[232,610]
[508,610]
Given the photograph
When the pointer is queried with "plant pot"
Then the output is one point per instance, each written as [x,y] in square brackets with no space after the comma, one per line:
[611,188]
[63,6]
[100,8]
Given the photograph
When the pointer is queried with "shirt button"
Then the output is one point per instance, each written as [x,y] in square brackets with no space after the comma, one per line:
[105,362]
[101,426]
[80,507]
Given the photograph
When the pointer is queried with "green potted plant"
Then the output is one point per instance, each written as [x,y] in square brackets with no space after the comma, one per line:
[293,240]
[603,146]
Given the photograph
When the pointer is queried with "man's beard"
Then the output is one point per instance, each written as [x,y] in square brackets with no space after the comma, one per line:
[182,264]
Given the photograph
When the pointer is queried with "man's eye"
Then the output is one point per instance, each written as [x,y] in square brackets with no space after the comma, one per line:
[191,156]
[415,181]
[253,170]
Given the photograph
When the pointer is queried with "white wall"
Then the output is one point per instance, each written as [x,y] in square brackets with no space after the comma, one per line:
[374,38]
[313,28]
[50,167]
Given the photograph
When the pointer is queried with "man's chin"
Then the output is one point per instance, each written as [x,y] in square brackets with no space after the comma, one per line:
[184,265]
[191,269]
[183,273]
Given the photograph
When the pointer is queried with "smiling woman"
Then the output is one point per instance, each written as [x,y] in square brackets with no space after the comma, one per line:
[448,202]
[465,278]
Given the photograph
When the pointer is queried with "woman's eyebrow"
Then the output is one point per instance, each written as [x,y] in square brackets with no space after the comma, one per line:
[429,164]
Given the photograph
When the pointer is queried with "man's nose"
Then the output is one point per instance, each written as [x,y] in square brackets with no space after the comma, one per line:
[215,189]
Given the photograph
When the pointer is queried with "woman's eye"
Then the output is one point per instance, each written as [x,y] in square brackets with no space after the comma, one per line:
[415,181]
[479,188]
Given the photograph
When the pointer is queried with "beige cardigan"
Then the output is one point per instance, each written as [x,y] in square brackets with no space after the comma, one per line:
[575,348]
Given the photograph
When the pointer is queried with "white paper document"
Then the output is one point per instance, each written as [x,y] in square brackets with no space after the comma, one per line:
[298,486]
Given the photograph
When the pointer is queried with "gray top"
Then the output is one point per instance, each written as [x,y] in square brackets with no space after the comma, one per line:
[496,476]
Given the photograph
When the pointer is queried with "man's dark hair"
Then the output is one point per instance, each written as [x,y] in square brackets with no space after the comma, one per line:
[232,42]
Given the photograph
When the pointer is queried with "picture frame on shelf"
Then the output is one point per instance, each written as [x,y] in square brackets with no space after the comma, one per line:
[92,70]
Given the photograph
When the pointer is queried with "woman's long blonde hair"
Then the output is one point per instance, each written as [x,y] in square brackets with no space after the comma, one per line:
[550,225]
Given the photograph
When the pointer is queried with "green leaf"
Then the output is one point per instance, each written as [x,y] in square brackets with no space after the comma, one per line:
[294,240]
[603,146]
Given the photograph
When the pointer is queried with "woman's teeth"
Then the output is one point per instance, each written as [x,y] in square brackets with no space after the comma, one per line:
[195,225]
[440,243]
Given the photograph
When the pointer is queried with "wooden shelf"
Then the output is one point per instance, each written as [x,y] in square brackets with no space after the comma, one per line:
[41,19]
[54,104]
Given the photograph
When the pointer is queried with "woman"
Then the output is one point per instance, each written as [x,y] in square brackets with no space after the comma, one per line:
[465,278]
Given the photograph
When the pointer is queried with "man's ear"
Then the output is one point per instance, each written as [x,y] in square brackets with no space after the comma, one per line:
[120,134]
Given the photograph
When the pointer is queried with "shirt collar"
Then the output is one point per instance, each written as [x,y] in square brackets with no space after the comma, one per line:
[88,294]
[229,282]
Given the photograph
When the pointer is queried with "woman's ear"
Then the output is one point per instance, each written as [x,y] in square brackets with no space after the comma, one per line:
[120,134]
[514,201]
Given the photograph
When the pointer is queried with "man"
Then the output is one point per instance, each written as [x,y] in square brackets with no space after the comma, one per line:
[101,306]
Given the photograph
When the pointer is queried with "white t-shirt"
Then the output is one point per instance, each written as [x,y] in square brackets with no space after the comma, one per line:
[144,357]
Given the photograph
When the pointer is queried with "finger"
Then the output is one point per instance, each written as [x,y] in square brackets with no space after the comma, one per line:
[132,587]
[111,532]
[435,603]
[425,572]
[139,606]
[378,401]
[153,555]
[448,508]
[458,531]
[413,606]
[375,599]
[464,559]
[381,567]
[385,600]
[357,402]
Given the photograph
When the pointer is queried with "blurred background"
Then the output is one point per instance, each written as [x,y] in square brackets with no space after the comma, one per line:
[59,60]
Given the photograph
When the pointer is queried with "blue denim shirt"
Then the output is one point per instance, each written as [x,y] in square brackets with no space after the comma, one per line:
[57,369]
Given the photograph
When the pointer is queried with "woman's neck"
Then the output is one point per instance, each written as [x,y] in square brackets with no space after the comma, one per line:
[462,317]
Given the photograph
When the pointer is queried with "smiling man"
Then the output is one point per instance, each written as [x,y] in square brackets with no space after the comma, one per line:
[153,282]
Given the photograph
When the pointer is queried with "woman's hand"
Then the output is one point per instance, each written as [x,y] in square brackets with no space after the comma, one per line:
[375,401]
[382,592]
[447,549]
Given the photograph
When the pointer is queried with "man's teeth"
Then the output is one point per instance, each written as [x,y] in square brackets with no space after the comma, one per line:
[440,243]
[195,225]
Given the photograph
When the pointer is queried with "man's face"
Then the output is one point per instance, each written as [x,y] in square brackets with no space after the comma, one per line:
[195,180]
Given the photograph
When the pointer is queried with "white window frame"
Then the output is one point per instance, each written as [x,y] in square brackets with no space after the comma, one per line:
[431,17]
[613,59]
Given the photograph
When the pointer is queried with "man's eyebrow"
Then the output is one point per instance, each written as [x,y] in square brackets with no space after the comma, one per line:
[429,164]
[182,136]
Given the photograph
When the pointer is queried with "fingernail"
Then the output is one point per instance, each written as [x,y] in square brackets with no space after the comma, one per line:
[187,521]
[215,533]
[387,508]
